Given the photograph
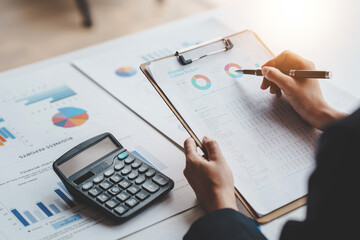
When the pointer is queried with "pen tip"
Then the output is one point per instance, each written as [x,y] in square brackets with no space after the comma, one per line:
[240,70]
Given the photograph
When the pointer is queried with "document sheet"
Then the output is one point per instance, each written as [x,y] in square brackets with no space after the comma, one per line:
[269,148]
[118,72]
[43,114]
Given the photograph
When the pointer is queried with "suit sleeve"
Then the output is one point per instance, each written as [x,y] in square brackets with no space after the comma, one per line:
[333,186]
[224,224]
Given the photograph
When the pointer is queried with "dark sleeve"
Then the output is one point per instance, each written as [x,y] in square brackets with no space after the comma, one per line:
[224,224]
[333,186]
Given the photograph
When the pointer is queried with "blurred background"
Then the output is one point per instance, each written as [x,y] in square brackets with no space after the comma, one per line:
[33,30]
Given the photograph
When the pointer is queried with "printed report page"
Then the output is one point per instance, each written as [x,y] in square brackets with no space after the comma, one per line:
[46,112]
[269,148]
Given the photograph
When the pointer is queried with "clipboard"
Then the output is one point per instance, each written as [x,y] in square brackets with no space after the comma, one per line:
[184,61]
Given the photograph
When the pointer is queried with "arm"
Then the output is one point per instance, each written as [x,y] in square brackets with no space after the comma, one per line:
[213,184]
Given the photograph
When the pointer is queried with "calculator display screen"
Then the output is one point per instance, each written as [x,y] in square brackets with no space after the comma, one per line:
[87,157]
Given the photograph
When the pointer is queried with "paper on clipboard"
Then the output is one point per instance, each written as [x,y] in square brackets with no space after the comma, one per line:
[268,147]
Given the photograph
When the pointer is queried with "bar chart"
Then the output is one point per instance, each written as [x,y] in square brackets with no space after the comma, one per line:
[53,94]
[5,135]
[62,201]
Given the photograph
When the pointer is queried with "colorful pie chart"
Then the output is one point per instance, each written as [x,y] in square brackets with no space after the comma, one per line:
[230,70]
[69,117]
[206,80]
[125,71]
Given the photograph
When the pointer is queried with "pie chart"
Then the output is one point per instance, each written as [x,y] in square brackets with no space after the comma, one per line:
[69,117]
[125,71]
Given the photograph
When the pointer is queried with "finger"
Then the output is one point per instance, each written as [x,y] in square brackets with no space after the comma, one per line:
[275,76]
[212,148]
[265,84]
[288,60]
[272,90]
[191,150]
[277,91]
[270,63]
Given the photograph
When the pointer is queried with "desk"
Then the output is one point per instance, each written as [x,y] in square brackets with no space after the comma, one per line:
[329,35]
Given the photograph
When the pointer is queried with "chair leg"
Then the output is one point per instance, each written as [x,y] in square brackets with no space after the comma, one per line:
[84,10]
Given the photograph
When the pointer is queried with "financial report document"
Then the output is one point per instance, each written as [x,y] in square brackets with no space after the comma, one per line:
[269,148]
[118,72]
[43,114]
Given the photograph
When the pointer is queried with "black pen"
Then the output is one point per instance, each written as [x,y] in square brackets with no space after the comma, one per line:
[292,73]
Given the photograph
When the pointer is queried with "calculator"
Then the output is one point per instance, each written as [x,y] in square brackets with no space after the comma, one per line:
[101,172]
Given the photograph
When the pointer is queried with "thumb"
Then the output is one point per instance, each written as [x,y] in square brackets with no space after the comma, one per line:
[276,76]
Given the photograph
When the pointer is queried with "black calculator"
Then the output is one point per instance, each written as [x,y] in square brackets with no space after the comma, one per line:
[100,171]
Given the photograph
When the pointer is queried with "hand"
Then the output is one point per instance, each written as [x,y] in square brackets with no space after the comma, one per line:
[304,95]
[210,178]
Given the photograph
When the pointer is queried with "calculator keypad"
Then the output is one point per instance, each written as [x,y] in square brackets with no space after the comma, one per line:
[123,196]
[127,185]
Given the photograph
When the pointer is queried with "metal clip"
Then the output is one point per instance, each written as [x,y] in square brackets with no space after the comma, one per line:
[228,45]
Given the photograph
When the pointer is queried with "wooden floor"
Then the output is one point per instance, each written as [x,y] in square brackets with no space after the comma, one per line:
[34,30]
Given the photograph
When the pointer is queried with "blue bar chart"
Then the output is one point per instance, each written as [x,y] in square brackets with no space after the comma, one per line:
[55,94]
[44,209]
[41,211]
[5,135]
[20,217]
[65,198]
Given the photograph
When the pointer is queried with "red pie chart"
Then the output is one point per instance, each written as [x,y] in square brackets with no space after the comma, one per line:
[69,117]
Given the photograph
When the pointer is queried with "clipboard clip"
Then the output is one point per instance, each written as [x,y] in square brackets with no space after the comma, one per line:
[228,45]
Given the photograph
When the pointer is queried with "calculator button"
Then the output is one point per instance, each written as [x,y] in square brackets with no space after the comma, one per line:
[116,178]
[105,185]
[122,155]
[142,195]
[119,166]
[161,180]
[125,184]
[143,168]
[111,203]
[123,196]
[129,160]
[87,186]
[136,164]
[121,210]
[109,172]
[133,189]
[126,170]
[114,190]
[150,173]
[95,191]
[140,179]
[103,197]
[134,174]
[131,202]
[98,179]
[150,187]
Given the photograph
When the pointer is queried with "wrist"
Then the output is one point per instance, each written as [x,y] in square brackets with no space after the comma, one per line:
[326,115]
[222,201]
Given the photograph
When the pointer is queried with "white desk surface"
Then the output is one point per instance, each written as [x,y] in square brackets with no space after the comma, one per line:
[327,32]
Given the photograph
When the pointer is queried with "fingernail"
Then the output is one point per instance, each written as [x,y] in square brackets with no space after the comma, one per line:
[207,138]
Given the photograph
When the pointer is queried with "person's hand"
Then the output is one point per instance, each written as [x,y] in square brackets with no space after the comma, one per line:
[304,94]
[210,178]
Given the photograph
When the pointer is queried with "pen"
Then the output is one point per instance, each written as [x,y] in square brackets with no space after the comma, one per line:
[292,73]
